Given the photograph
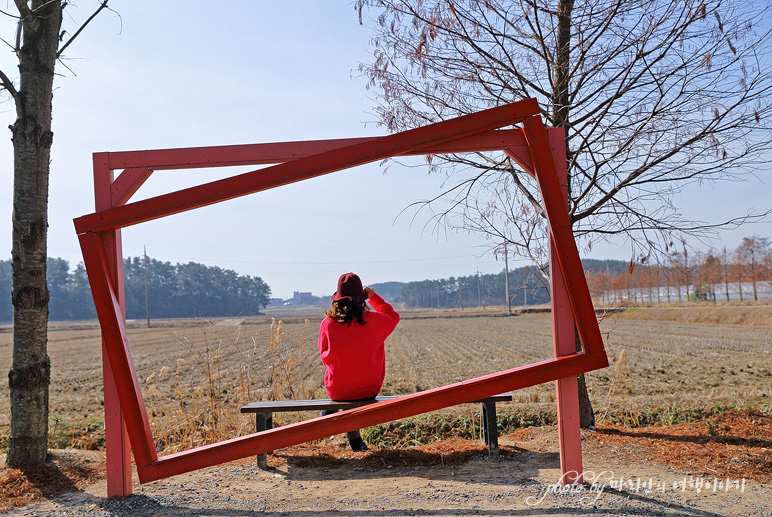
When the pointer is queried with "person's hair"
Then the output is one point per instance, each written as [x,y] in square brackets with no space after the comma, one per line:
[346,310]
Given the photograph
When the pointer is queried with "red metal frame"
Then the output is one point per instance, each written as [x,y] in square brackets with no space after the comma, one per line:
[99,233]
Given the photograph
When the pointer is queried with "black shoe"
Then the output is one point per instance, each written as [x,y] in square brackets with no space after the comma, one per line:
[358,445]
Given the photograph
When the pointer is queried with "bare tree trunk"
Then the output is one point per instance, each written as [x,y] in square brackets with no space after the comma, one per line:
[560,93]
[32,137]
[561,111]
[586,413]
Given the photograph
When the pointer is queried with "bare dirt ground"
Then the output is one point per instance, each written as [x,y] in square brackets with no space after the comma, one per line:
[657,360]
[627,472]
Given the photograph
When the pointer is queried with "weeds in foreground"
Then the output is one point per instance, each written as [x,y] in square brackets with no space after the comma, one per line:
[206,398]
[282,379]
[617,395]
[432,427]
[423,429]
[676,414]
[87,434]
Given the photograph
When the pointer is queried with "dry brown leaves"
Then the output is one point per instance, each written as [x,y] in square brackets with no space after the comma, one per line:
[736,444]
[66,471]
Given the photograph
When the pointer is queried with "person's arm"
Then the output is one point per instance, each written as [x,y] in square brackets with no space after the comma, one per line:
[380,305]
[324,342]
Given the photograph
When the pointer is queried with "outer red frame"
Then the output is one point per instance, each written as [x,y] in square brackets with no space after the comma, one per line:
[99,235]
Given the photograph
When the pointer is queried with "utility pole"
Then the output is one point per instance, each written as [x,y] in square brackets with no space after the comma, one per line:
[482,288]
[506,280]
[147,292]
[525,286]
[479,298]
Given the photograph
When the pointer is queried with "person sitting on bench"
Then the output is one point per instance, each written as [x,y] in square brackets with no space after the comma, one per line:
[351,341]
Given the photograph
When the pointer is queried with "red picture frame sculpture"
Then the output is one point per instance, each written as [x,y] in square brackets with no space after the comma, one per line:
[532,147]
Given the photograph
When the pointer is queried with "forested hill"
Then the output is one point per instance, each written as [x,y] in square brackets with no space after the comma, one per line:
[388,290]
[609,266]
[526,287]
[175,291]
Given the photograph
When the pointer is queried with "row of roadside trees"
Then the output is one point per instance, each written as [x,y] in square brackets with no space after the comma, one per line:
[526,287]
[740,274]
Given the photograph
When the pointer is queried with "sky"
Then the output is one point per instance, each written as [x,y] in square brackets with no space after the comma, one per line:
[184,74]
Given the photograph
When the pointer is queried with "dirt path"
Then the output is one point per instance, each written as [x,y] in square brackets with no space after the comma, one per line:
[453,477]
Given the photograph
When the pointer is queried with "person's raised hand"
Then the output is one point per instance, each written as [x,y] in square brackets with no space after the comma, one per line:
[369,291]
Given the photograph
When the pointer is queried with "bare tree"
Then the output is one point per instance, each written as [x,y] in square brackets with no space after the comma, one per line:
[750,255]
[726,270]
[38,43]
[705,270]
[654,95]
[709,274]
[739,271]
[766,264]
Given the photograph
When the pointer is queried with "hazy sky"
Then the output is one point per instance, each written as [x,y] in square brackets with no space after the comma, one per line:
[183,74]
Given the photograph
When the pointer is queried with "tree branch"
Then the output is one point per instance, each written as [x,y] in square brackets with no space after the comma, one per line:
[8,14]
[61,50]
[43,6]
[23,8]
[8,85]
[660,98]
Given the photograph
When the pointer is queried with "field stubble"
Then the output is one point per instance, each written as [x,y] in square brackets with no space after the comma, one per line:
[195,375]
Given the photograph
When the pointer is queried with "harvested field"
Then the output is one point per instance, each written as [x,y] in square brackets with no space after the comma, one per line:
[188,368]
[750,313]
[195,375]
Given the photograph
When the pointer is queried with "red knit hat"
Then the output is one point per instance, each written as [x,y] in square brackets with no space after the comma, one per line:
[350,286]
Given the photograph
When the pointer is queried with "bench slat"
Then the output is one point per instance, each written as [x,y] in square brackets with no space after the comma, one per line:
[275,406]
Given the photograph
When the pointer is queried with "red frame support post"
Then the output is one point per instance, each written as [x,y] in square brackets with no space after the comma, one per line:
[564,341]
[563,327]
[117,447]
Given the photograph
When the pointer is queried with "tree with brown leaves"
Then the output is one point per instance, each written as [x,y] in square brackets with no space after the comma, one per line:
[653,95]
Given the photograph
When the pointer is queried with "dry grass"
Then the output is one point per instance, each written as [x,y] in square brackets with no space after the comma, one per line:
[189,410]
[196,375]
[722,313]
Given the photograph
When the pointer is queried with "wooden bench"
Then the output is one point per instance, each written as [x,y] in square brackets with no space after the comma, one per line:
[264,411]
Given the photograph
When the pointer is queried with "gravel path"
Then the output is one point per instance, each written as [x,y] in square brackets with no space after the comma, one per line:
[302,482]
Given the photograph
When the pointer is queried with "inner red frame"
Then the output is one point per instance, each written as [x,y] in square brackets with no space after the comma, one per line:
[298,161]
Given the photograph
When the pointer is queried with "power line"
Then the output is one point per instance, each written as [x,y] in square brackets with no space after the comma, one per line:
[313,263]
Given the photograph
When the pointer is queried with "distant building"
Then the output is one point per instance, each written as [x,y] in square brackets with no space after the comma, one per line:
[299,298]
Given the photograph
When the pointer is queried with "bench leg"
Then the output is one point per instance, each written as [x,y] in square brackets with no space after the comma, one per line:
[263,421]
[490,429]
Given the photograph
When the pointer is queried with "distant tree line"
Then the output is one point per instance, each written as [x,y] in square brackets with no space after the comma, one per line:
[739,274]
[526,287]
[388,290]
[175,291]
